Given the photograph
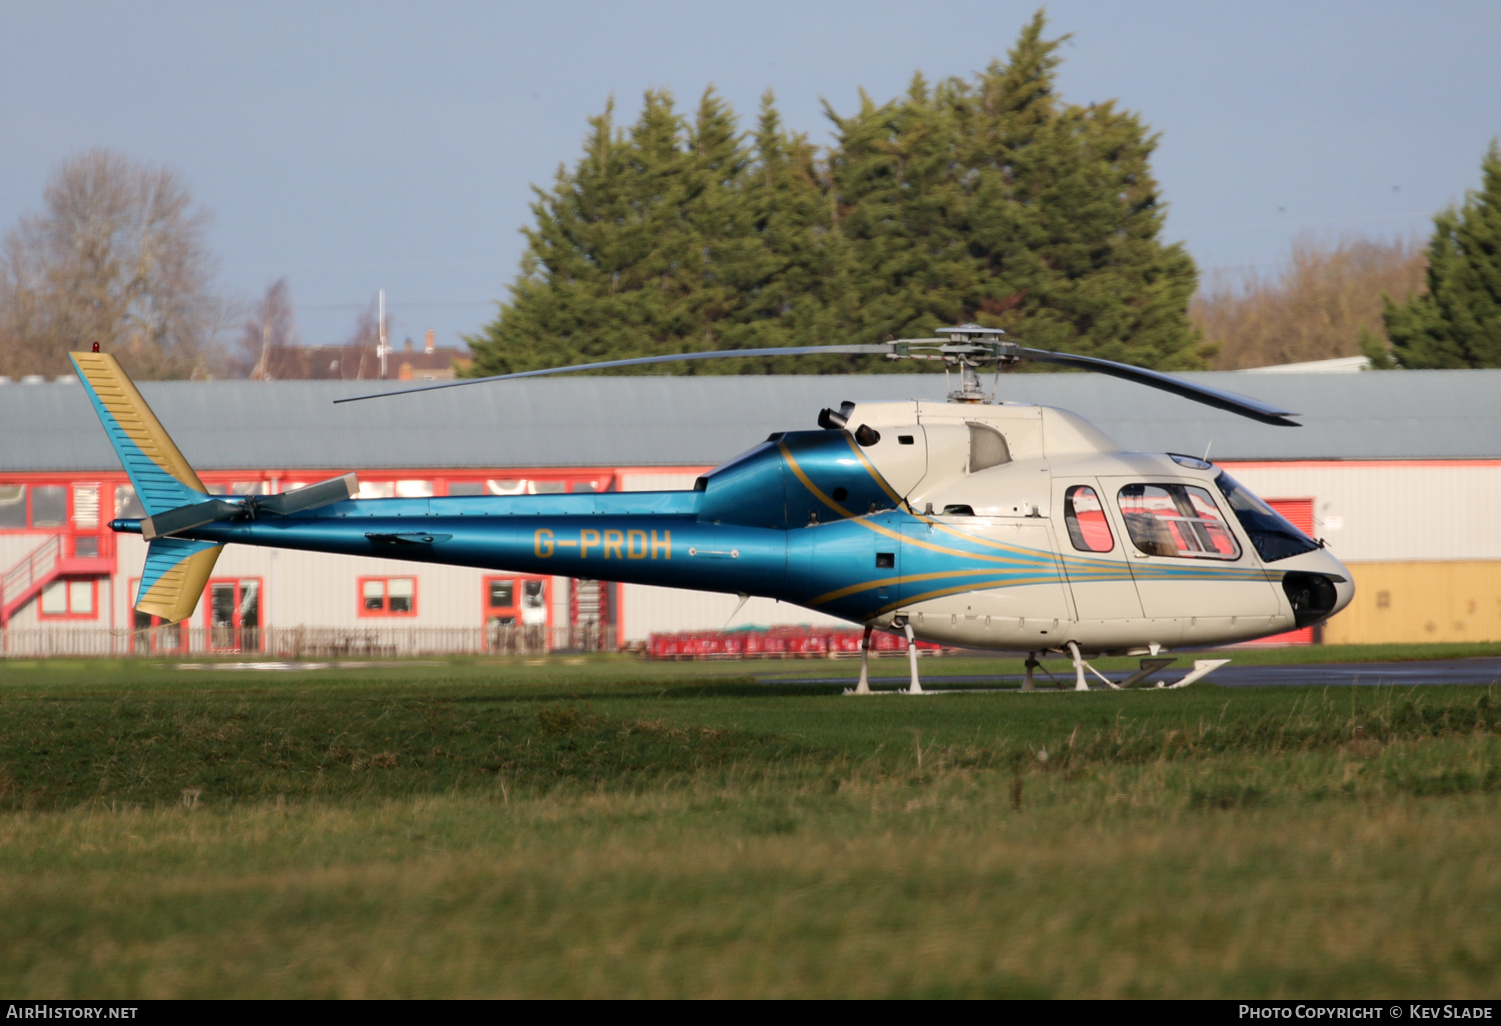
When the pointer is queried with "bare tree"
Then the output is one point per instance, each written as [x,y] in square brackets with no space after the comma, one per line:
[1317,308]
[117,256]
[362,347]
[272,324]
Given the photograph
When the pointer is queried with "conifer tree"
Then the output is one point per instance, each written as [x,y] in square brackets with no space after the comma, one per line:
[1457,322]
[993,201]
[987,200]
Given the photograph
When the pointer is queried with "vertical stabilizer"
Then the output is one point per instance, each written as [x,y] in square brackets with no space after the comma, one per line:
[162,478]
[177,569]
[174,576]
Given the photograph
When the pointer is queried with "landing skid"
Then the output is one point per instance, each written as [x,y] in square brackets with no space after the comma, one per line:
[1201,669]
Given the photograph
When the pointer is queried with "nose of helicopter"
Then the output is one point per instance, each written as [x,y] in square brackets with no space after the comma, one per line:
[1317,585]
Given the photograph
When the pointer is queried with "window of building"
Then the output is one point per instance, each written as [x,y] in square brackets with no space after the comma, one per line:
[1088,527]
[153,634]
[127,505]
[49,505]
[377,490]
[234,614]
[12,506]
[466,488]
[1176,520]
[388,596]
[86,507]
[548,487]
[33,505]
[73,599]
[414,489]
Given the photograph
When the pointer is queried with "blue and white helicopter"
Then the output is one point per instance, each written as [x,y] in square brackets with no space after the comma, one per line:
[967,522]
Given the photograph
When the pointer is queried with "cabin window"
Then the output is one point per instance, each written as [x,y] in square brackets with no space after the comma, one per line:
[1088,527]
[1176,520]
[905,440]
[987,448]
[885,560]
[388,596]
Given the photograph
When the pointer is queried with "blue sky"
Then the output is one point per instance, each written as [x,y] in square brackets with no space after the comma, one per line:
[353,147]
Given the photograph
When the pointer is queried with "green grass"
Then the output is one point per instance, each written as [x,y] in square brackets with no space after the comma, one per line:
[612,828]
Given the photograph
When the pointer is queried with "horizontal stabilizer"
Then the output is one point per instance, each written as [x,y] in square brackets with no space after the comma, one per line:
[185,518]
[335,489]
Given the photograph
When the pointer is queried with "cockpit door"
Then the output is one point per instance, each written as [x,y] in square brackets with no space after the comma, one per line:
[1188,562]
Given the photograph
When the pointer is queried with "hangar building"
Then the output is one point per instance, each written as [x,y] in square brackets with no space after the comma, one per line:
[1399,472]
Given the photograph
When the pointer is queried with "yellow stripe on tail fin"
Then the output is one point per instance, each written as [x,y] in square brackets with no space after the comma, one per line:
[175,574]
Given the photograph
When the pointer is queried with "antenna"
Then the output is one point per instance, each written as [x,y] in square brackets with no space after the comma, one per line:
[380,345]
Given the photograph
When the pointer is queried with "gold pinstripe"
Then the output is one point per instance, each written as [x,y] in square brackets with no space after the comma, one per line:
[881,528]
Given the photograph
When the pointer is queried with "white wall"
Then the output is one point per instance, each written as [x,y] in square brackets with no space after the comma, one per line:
[1392,511]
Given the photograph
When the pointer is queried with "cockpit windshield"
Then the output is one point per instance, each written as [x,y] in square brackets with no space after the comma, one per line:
[1273,535]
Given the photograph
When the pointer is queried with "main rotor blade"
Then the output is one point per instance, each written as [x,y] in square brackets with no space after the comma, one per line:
[1243,405]
[718,354]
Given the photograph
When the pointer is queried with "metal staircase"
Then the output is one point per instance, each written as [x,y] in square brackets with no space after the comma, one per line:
[40,567]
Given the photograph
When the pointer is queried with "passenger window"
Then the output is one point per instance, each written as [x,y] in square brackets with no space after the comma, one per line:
[987,448]
[1088,528]
[1176,520]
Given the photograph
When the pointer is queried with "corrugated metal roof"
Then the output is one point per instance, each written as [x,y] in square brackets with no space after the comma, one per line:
[679,421]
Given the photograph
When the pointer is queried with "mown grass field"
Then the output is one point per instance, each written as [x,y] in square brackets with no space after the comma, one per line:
[606,828]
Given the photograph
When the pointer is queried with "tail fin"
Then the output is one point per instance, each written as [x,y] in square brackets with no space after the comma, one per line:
[176,569]
[162,478]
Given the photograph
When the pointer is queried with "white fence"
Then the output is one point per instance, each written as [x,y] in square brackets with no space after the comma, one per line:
[295,642]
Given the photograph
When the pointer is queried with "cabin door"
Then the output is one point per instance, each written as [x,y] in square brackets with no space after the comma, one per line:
[1093,552]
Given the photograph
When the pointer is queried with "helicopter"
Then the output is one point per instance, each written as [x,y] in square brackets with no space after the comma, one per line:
[969,522]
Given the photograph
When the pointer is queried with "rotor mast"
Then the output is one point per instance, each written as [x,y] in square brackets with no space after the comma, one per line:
[964,347]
